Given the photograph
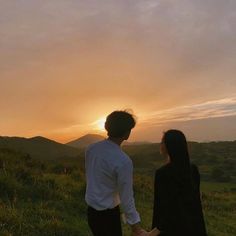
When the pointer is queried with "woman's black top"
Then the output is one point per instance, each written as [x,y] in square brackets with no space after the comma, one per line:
[177,203]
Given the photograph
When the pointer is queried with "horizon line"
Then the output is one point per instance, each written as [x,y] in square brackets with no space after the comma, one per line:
[133,141]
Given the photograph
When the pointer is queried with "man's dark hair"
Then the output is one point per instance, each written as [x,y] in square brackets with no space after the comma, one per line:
[118,123]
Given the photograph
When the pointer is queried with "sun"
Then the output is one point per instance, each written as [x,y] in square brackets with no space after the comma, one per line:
[100,124]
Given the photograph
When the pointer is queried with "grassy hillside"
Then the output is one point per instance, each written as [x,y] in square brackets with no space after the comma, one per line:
[39,198]
[47,197]
[39,147]
[216,160]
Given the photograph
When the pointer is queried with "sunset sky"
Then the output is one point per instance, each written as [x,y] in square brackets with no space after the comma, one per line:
[66,64]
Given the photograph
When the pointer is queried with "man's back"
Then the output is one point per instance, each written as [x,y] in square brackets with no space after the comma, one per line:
[109,176]
[102,162]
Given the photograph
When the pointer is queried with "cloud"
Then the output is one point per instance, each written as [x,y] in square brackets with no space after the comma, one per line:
[64,62]
[210,109]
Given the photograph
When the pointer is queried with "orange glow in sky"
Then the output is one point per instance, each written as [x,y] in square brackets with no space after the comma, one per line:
[65,65]
[100,124]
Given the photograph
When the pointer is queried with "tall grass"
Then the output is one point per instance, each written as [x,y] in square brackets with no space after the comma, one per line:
[46,198]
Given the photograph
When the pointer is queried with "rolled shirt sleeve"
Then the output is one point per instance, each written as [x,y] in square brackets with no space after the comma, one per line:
[125,188]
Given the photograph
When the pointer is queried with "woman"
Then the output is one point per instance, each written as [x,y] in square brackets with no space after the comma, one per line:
[177,203]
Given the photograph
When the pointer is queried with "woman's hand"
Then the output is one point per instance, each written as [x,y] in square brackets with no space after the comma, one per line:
[154,232]
[138,231]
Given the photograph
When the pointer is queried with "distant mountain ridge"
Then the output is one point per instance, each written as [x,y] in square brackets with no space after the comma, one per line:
[43,148]
[39,147]
[46,149]
[136,143]
[88,139]
[85,140]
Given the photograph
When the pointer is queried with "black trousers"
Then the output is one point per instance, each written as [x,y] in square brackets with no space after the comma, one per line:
[106,222]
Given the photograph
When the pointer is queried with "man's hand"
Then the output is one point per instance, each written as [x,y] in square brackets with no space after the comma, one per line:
[138,231]
[154,232]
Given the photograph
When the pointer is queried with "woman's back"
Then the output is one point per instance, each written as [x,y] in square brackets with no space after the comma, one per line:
[177,204]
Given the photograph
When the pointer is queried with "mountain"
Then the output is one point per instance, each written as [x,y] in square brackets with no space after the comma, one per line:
[39,147]
[85,140]
[136,143]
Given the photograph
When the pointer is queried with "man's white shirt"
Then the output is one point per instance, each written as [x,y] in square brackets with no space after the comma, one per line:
[109,177]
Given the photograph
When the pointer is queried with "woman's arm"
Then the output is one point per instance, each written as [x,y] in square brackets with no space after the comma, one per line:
[154,217]
[161,203]
[201,223]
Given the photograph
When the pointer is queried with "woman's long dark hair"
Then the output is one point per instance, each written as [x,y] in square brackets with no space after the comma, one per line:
[185,190]
[177,148]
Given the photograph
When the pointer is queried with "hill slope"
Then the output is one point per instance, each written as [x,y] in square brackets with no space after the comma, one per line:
[39,198]
[39,147]
[85,140]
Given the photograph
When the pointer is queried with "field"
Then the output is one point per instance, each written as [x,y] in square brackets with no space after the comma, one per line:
[47,197]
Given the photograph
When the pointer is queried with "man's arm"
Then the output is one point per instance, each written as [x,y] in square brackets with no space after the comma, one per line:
[125,188]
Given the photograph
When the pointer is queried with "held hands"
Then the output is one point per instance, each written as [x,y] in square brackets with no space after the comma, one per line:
[154,232]
[141,232]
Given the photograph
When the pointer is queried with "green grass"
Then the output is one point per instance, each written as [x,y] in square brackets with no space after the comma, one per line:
[219,202]
[38,199]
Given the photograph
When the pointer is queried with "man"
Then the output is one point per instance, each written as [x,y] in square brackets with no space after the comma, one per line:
[109,176]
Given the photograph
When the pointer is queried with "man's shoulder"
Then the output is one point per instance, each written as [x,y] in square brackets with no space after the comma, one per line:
[95,146]
[126,159]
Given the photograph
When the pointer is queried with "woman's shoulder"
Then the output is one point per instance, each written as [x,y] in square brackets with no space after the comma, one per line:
[163,170]
[194,168]
[195,173]
[168,168]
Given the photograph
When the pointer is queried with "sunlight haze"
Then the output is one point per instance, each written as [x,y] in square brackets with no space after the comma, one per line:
[65,65]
